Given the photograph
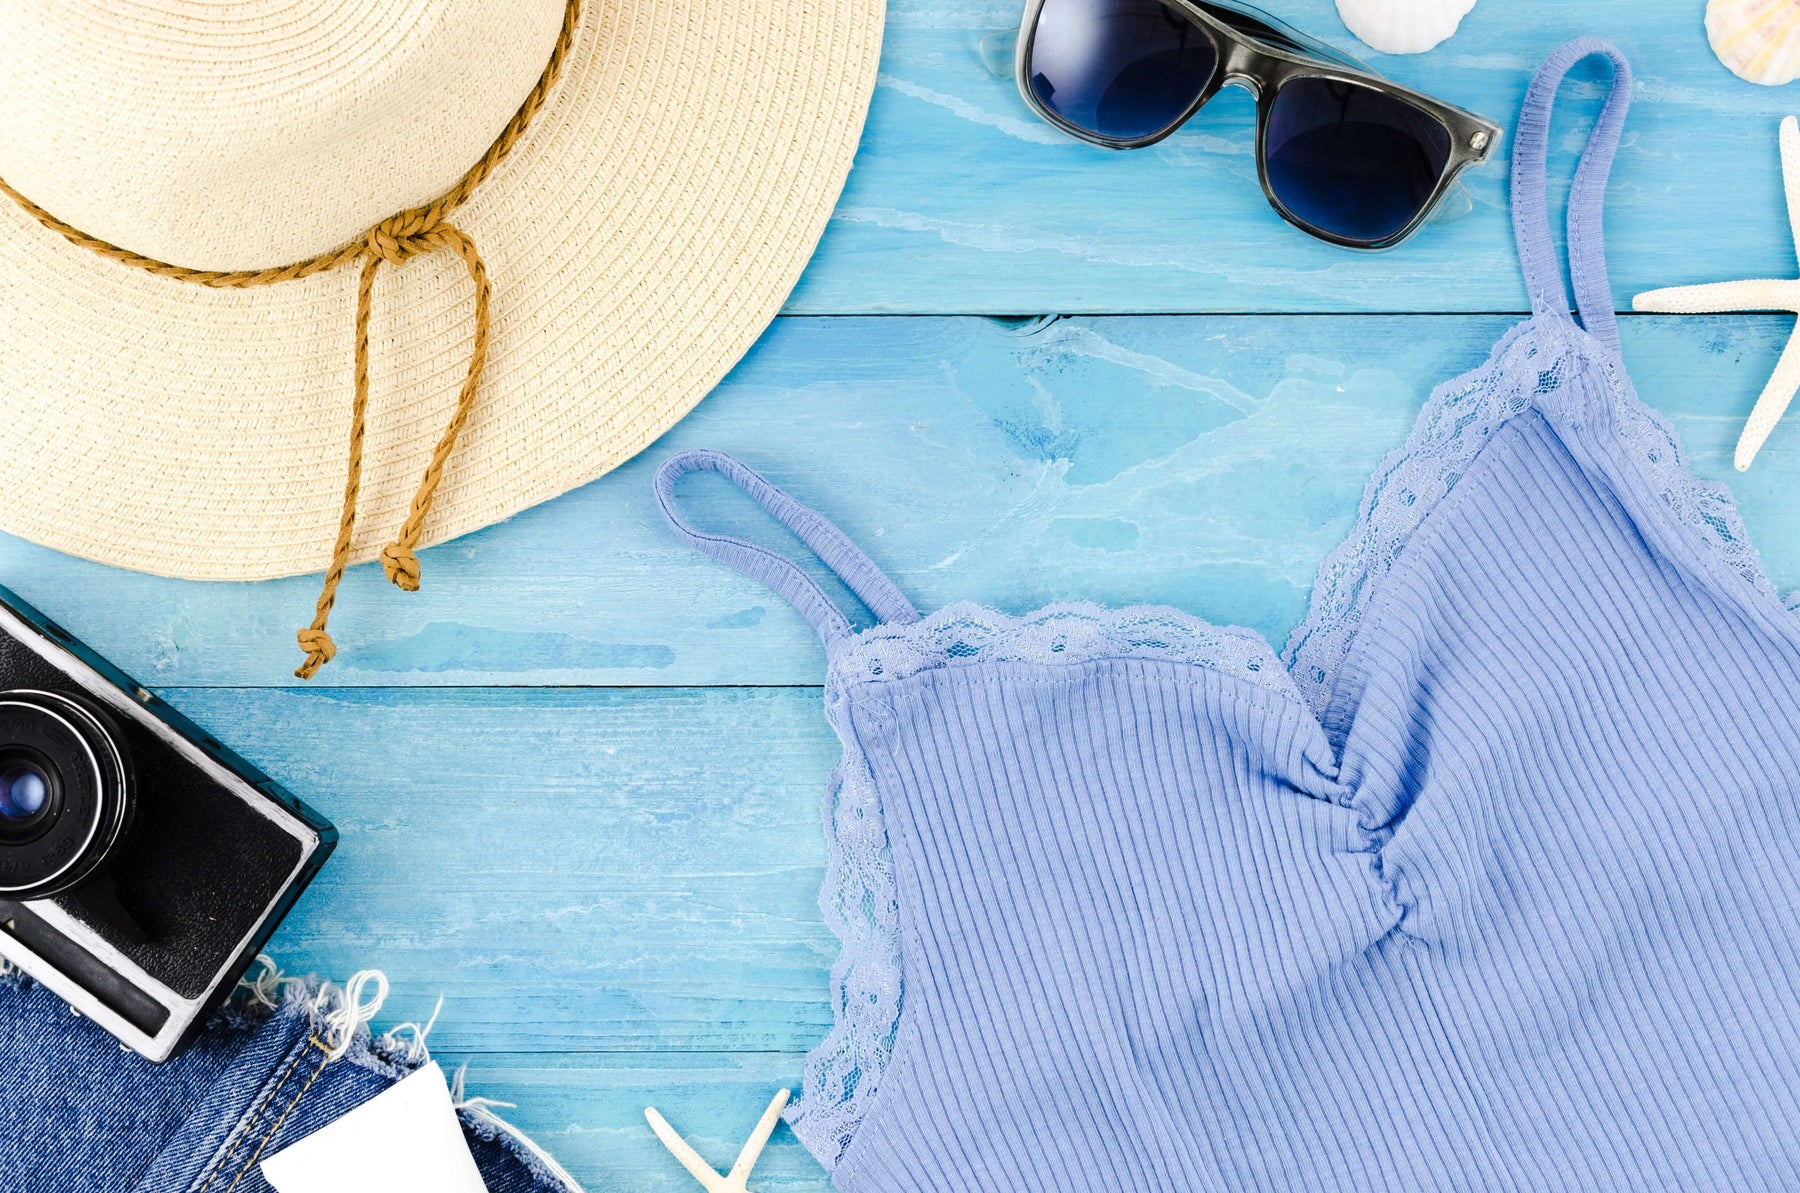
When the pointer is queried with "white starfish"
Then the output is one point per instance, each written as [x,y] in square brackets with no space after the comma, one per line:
[1760,294]
[712,1182]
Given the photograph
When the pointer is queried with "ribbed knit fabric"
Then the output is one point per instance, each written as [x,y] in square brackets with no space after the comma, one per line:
[1495,886]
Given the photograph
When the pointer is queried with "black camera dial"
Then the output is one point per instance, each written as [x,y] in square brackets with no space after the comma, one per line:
[65,794]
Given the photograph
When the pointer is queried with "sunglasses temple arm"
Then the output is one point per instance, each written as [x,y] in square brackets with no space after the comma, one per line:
[997,50]
[1454,205]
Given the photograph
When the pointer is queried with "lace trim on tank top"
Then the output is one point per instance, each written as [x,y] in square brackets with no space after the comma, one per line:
[1070,633]
[1527,370]
[858,898]
[862,909]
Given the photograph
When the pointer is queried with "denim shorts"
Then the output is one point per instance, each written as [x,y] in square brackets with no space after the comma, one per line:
[79,1114]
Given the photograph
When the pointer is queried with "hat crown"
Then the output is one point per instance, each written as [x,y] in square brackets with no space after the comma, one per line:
[248,134]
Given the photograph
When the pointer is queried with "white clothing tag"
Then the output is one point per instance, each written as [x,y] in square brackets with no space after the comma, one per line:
[405,1138]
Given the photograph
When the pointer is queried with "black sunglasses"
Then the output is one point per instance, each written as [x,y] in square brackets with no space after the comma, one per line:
[1343,154]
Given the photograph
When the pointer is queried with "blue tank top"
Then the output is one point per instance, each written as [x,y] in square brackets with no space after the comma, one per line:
[1493,882]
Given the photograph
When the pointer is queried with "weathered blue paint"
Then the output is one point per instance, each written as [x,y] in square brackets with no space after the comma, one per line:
[1204,462]
[961,202]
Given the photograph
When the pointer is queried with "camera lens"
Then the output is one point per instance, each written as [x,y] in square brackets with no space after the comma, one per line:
[65,794]
[24,794]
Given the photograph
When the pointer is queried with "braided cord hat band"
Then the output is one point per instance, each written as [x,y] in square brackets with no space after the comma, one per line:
[395,240]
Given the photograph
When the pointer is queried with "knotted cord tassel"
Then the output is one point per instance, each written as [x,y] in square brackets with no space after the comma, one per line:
[317,644]
[397,240]
[397,558]
[401,567]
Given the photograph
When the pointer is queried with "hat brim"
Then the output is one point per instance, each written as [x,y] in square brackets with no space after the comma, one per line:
[660,209]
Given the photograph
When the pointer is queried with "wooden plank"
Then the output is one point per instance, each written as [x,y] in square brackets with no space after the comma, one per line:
[573,870]
[1209,463]
[962,201]
[588,1112]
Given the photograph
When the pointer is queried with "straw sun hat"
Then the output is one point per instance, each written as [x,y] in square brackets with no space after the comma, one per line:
[463,254]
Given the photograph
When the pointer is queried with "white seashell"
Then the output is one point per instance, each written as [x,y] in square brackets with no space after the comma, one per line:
[1758,40]
[1403,26]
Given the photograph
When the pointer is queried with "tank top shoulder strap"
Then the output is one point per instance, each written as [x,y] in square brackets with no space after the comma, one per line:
[1530,201]
[845,559]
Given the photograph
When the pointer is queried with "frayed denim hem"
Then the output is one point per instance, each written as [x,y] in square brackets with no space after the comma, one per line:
[341,1015]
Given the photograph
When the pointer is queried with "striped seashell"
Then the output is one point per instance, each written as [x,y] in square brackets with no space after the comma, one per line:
[1758,40]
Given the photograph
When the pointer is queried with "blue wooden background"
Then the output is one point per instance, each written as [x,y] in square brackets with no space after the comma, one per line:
[578,776]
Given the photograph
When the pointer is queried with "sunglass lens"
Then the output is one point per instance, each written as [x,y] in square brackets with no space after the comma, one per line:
[1122,69]
[1351,161]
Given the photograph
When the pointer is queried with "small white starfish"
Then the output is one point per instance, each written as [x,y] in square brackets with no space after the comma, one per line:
[736,1180]
[1760,294]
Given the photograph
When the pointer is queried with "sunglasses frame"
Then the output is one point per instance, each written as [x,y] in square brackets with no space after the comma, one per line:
[1262,69]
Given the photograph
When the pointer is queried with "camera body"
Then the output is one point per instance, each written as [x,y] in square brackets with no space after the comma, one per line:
[142,864]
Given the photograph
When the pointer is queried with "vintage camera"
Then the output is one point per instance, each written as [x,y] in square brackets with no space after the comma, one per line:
[142,864]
